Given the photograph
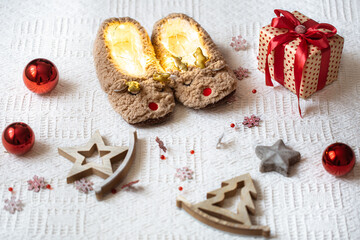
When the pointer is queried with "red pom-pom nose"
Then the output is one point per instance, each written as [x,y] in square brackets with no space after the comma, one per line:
[207,92]
[153,106]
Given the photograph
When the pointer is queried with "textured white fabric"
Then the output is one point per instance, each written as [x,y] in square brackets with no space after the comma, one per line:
[310,204]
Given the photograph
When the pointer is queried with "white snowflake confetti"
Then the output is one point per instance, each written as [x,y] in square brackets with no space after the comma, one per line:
[36,184]
[238,43]
[184,173]
[219,143]
[84,185]
[13,205]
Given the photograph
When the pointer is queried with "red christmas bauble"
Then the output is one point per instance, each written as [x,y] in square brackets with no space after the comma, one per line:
[338,159]
[40,76]
[18,138]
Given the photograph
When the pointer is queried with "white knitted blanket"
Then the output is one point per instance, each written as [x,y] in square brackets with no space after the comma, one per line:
[310,204]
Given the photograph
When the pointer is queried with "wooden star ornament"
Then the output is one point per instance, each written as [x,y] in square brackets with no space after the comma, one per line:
[108,154]
[277,157]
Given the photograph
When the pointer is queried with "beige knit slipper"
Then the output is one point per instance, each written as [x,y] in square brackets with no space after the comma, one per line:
[130,74]
[201,77]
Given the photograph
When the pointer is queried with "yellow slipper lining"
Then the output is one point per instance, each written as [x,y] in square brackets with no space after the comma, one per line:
[126,48]
[181,39]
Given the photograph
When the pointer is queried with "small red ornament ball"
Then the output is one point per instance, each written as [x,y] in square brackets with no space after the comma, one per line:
[18,138]
[253,91]
[180,188]
[338,159]
[40,76]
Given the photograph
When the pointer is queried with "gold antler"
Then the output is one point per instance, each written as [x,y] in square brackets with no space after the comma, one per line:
[200,58]
[133,87]
[161,77]
[179,64]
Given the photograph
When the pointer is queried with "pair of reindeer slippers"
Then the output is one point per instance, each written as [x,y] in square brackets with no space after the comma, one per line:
[143,77]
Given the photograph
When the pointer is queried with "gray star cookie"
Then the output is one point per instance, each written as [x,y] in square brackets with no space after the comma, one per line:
[277,157]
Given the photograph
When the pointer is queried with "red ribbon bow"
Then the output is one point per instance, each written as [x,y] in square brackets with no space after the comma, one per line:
[312,36]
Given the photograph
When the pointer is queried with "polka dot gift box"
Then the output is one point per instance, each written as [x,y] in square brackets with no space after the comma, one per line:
[299,53]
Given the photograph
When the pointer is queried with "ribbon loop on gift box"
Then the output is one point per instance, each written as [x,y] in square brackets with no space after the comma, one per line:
[313,36]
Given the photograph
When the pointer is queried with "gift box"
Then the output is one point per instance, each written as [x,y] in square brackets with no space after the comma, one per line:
[299,53]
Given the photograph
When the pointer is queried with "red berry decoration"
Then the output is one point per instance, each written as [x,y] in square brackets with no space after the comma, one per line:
[18,138]
[10,189]
[254,91]
[192,152]
[232,125]
[40,76]
[48,186]
[113,191]
[162,157]
[338,159]
[180,188]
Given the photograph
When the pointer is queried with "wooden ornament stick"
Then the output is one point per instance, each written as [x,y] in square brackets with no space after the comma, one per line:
[120,173]
[108,154]
[211,213]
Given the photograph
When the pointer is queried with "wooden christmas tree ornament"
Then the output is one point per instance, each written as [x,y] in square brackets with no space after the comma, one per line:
[211,213]
[108,154]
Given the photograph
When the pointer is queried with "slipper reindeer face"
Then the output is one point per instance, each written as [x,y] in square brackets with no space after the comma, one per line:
[125,63]
[186,50]
[151,99]
[203,87]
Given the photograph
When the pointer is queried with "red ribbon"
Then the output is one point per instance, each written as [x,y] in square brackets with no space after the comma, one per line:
[312,36]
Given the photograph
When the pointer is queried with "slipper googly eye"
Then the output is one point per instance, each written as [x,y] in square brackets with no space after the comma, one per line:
[187,83]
